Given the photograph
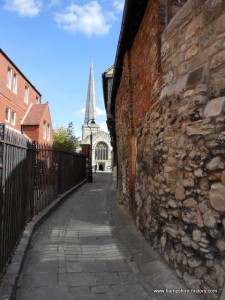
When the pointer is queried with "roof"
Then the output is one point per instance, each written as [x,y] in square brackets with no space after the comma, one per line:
[105,76]
[132,17]
[18,70]
[109,71]
[35,114]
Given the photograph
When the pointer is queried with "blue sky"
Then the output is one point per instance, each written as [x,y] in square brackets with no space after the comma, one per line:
[53,42]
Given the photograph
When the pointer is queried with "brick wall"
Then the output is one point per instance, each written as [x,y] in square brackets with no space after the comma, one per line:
[170,124]
[15,101]
[32,132]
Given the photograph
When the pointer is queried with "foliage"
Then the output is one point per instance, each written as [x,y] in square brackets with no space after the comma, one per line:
[64,138]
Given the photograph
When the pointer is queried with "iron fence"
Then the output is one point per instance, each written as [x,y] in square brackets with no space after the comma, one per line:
[31,176]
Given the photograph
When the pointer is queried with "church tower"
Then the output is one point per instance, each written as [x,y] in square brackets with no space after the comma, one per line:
[99,140]
[90,124]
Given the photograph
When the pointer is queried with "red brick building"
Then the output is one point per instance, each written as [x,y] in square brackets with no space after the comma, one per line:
[21,107]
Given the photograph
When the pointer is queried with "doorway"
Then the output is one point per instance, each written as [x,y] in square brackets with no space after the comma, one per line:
[101,167]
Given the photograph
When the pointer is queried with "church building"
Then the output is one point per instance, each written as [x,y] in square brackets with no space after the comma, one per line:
[91,133]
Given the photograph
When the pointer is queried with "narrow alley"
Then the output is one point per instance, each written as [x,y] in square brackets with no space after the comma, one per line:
[90,249]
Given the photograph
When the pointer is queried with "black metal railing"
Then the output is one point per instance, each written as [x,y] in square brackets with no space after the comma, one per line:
[31,176]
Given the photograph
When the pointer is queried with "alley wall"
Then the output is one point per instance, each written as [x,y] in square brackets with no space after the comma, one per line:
[170,124]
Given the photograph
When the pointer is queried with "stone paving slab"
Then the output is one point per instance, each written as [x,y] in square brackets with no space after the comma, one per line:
[90,249]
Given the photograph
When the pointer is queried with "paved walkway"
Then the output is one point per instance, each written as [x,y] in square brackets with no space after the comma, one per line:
[90,249]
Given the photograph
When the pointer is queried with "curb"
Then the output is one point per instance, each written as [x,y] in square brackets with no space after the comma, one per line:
[9,281]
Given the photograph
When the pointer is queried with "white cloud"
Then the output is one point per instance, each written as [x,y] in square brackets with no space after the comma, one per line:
[54,2]
[119,5]
[82,111]
[88,19]
[25,8]
[103,127]
[100,112]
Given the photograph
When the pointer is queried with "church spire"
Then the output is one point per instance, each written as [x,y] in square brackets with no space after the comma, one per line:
[90,125]
[90,112]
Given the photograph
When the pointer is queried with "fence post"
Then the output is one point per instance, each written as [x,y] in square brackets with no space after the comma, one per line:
[31,162]
[2,136]
[59,172]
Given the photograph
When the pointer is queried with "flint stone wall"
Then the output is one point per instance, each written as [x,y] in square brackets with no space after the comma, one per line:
[180,146]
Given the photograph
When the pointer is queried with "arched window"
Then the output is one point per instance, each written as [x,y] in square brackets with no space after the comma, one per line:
[101,151]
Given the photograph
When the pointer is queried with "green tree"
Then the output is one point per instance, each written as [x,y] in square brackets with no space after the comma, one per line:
[65,139]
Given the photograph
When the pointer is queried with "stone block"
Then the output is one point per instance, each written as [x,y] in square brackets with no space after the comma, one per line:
[217,84]
[200,128]
[198,173]
[191,202]
[186,241]
[217,60]
[163,213]
[168,77]
[196,234]
[193,27]
[212,9]
[209,219]
[180,193]
[215,47]
[163,241]
[188,93]
[215,108]
[190,212]
[217,196]
[173,231]
[204,183]
[195,77]
[168,169]
[194,262]
[203,206]
[188,182]
[192,51]
[174,89]
[220,245]
[219,24]
[172,203]
[199,59]
[208,37]
[215,164]
[215,176]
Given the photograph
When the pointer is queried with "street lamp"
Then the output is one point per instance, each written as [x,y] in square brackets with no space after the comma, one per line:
[91,141]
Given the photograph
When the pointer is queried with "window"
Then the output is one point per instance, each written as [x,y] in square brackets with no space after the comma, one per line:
[37,100]
[15,79]
[48,132]
[9,77]
[26,94]
[13,120]
[7,114]
[44,130]
[101,151]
